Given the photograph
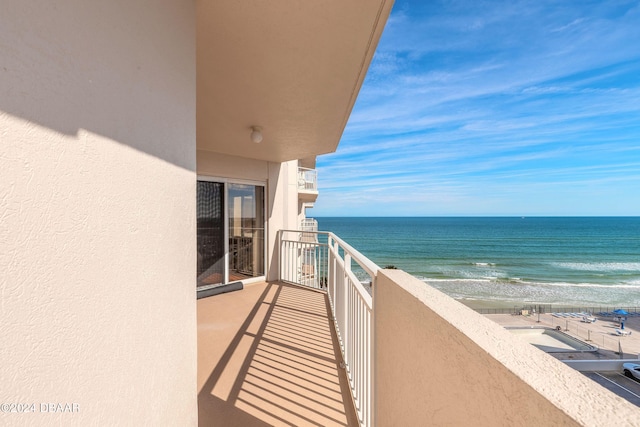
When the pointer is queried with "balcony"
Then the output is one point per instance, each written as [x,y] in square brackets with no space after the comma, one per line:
[307,184]
[318,348]
[309,224]
[268,355]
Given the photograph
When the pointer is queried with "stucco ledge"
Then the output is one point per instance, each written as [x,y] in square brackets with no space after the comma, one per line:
[586,402]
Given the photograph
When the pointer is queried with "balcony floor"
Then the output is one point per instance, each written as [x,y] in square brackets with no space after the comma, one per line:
[268,355]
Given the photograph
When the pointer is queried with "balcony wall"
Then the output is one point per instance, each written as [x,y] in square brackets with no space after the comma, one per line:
[97,191]
[440,363]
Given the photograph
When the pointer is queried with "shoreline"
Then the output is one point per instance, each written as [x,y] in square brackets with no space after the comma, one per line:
[478,304]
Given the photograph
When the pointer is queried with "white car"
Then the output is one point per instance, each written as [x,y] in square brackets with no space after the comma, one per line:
[631,370]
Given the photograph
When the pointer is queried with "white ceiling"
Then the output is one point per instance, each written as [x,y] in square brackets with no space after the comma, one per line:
[293,67]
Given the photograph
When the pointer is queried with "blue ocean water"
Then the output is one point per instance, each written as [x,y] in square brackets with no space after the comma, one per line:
[585,261]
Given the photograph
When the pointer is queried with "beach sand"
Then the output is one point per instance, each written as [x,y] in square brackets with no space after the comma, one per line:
[480,304]
[600,333]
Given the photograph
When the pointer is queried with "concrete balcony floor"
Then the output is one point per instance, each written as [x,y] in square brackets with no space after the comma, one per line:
[268,355]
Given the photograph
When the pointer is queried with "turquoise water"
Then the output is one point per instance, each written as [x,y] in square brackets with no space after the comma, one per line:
[583,261]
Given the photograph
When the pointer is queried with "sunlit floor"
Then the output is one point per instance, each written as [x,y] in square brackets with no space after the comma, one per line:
[267,355]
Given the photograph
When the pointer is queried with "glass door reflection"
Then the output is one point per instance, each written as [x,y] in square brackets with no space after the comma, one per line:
[210,234]
[246,231]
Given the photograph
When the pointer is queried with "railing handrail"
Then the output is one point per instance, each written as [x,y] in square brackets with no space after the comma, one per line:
[369,266]
[309,178]
[362,292]
[309,225]
[328,266]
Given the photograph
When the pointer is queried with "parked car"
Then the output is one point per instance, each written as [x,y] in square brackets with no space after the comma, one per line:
[631,370]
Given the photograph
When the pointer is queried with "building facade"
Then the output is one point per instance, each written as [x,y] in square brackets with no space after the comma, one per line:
[125,133]
[152,150]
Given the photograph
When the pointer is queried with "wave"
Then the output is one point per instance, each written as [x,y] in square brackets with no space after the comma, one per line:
[517,280]
[599,266]
[590,285]
[484,264]
[428,279]
[466,272]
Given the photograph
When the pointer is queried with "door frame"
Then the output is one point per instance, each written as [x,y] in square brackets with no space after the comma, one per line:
[226,182]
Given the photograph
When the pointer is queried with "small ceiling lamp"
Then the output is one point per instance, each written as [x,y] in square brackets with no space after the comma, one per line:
[256,134]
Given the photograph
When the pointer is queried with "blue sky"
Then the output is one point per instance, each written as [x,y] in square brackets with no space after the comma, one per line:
[494,108]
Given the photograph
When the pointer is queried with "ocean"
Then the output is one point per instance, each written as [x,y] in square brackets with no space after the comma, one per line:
[576,261]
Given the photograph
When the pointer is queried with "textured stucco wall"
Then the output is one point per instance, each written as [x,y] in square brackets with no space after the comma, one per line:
[97,211]
[440,363]
[231,167]
[282,209]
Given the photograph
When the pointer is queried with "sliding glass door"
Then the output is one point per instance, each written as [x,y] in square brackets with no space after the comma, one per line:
[231,221]
[246,231]
[211,227]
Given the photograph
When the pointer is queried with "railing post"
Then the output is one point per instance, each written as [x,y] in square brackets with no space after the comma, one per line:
[280,253]
[351,304]
[347,304]
[372,355]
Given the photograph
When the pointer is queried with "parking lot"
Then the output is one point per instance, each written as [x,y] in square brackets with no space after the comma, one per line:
[616,382]
[601,335]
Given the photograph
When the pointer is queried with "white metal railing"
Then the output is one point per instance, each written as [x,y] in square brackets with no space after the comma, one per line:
[309,224]
[307,179]
[327,264]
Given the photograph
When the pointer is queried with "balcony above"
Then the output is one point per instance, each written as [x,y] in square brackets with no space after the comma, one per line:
[309,224]
[293,68]
[307,185]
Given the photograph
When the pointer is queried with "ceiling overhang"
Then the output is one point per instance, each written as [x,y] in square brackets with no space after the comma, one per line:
[292,67]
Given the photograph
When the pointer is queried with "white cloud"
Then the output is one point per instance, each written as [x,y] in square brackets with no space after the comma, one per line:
[474,107]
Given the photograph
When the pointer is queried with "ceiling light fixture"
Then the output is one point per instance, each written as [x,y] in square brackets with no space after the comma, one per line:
[256,134]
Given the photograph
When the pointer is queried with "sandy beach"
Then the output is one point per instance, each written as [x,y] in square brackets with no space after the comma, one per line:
[601,333]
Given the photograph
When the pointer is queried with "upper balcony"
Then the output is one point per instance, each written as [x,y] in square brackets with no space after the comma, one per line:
[309,230]
[307,184]
[309,224]
[317,348]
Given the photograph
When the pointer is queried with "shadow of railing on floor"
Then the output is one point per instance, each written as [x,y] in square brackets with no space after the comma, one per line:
[290,374]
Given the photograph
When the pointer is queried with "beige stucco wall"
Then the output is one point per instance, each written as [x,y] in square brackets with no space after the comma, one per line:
[231,167]
[97,212]
[282,206]
[440,363]
[281,180]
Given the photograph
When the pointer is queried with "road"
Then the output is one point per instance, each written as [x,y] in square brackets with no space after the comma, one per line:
[616,382]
